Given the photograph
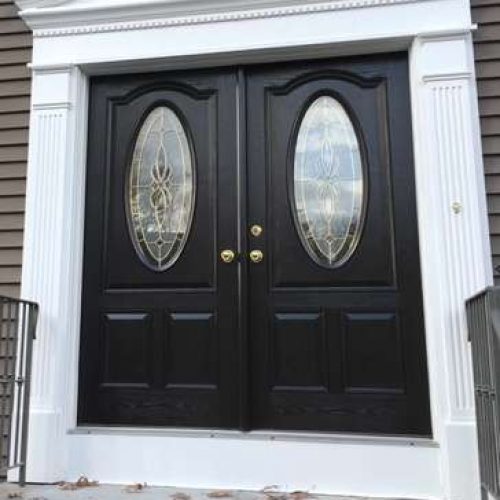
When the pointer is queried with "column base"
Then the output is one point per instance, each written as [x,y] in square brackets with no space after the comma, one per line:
[460,461]
[46,447]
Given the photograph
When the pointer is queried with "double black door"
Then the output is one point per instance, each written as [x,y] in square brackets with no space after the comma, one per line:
[251,251]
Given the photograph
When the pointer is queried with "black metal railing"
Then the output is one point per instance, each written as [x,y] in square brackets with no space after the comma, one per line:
[18,320]
[483,319]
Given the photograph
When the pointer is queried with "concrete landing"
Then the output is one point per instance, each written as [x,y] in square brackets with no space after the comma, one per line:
[72,491]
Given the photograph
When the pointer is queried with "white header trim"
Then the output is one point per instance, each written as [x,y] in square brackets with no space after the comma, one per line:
[47,22]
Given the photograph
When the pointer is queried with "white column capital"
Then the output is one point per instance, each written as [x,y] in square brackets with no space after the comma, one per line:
[52,87]
[438,57]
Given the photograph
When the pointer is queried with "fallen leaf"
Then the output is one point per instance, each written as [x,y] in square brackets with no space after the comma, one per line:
[300,495]
[135,488]
[276,496]
[179,495]
[220,494]
[67,486]
[272,492]
[269,489]
[82,482]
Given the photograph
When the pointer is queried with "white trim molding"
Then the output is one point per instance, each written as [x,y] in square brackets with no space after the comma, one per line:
[150,15]
[51,254]
[454,242]
[106,36]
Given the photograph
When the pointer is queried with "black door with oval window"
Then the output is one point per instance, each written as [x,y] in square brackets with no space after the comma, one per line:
[251,251]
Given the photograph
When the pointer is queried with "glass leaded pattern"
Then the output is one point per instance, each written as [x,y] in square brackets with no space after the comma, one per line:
[161,189]
[328,183]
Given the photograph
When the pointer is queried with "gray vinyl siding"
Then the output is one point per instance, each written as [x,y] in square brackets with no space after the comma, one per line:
[486,13]
[15,52]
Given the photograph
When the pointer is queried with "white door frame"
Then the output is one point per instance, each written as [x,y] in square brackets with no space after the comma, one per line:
[79,38]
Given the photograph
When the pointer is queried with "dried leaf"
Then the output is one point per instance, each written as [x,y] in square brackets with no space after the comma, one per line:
[270,488]
[82,482]
[300,495]
[276,496]
[67,486]
[220,494]
[179,495]
[136,488]
[272,492]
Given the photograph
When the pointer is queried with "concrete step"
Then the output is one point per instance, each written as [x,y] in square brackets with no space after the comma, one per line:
[116,492]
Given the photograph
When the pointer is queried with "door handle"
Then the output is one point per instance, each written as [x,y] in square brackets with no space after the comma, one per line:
[227,256]
[256,256]
[256,230]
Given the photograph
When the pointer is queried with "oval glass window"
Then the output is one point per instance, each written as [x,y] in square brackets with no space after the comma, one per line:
[328,183]
[161,189]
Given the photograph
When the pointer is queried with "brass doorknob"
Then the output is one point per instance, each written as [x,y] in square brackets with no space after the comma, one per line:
[227,256]
[256,256]
[256,230]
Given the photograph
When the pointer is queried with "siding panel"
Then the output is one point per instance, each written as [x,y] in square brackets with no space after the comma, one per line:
[14,56]
[15,88]
[486,13]
[15,84]
[13,136]
[487,51]
[14,72]
[7,10]
[14,104]
[492,164]
[11,239]
[11,204]
[13,170]
[490,126]
[14,120]
[13,153]
[12,25]
[479,3]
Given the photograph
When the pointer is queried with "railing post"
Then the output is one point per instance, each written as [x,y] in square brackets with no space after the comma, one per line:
[30,337]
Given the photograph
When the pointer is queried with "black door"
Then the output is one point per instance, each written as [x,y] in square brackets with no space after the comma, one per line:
[336,326]
[251,251]
[159,314]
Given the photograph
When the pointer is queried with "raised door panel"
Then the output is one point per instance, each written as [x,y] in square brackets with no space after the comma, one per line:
[191,350]
[373,353]
[298,352]
[126,346]
[370,262]
[194,252]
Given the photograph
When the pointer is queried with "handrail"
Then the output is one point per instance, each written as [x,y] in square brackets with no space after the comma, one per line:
[18,320]
[483,320]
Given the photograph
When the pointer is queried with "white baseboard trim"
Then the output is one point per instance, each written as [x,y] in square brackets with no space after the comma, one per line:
[363,469]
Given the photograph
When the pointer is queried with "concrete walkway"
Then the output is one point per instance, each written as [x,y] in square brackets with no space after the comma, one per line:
[72,491]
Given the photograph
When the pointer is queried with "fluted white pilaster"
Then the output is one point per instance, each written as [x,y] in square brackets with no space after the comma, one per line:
[454,240]
[49,252]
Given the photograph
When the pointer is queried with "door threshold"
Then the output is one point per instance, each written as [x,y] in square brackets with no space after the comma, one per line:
[261,435]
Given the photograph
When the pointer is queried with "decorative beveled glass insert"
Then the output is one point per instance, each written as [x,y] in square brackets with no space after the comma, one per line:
[328,183]
[161,189]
